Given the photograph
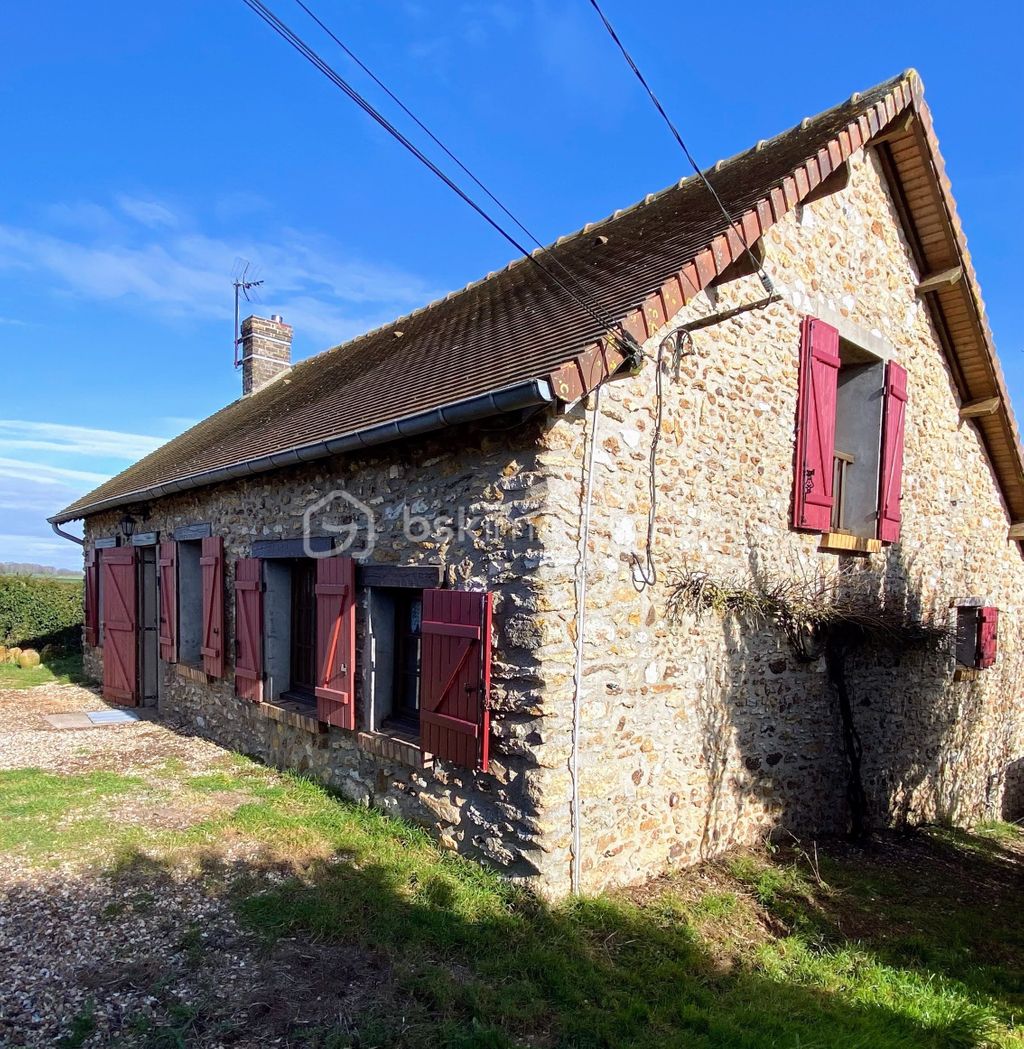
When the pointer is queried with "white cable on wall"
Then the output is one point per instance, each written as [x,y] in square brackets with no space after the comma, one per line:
[581,620]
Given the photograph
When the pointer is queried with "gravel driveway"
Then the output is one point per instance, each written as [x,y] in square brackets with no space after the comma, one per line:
[103,948]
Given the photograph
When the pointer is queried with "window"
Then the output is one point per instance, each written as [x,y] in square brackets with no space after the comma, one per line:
[289,629]
[850,423]
[190,602]
[295,631]
[976,635]
[405,707]
[394,618]
[858,429]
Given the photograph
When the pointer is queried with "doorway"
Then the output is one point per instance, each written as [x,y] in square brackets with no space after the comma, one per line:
[148,626]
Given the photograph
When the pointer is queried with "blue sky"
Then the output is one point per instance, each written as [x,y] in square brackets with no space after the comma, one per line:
[150,146]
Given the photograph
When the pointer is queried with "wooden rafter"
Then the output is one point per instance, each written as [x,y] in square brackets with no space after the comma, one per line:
[939,281]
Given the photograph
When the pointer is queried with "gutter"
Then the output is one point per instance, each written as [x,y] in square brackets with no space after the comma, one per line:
[530,394]
[65,535]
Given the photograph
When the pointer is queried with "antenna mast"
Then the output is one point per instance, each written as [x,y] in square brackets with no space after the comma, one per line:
[242,284]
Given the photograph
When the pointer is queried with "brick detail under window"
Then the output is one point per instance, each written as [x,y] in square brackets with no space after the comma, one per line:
[392,748]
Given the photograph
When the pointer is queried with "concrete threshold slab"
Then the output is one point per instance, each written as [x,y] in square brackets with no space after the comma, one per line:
[83,719]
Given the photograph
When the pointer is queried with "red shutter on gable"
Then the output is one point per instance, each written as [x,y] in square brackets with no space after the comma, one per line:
[336,641]
[455,676]
[249,629]
[92,597]
[815,426]
[894,415]
[212,561]
[988,627]
[120,679]
[167,558]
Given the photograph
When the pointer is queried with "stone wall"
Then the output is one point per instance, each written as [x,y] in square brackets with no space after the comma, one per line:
[493,480]
[698,735]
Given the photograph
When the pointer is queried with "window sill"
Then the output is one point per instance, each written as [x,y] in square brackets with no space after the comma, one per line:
[293,713]
[843,543]
[401,748]
[192,673]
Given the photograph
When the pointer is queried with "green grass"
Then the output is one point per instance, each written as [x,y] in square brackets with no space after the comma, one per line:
[918,942]
[60,669]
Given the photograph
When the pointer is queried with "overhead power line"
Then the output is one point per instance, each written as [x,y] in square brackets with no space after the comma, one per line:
[268,16]
[762,274]
[445,149]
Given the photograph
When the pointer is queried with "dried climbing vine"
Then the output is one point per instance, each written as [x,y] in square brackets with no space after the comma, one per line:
[822,615]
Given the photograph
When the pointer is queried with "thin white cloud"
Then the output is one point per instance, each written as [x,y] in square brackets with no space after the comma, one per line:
[75,440]
[240,205]
[44,474]
[176,424]
[149,212]
[18,547]
[182,272]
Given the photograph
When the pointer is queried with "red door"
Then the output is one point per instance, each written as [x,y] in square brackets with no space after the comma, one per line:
[120,643]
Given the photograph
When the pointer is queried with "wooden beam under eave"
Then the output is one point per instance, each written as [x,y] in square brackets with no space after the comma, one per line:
[1016,530]
[743,265]
[897,129]
[836,182]
[938,281]
[983,406]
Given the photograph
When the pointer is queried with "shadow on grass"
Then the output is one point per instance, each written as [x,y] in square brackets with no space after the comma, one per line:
[297,919]
[942,902]
[442,954]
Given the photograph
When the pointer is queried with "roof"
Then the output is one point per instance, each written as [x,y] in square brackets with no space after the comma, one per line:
[638,266]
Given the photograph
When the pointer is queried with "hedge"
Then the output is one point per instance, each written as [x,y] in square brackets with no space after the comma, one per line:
[37,612]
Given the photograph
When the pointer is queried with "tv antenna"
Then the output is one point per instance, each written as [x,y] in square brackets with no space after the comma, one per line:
[242,284]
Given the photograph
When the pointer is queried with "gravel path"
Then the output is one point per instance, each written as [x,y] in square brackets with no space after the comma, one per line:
[27,740]
[151,954]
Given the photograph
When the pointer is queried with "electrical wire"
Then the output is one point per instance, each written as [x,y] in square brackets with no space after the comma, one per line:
[581,630]
[766,281]
[448,152]
[645,573]
[629,344]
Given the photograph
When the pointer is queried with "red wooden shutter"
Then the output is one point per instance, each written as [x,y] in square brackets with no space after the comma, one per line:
[120,678]
[92,597]
[815,426]
[891,486]
[167,558]
[249,629]
[455,676]
[212,561]
[988,625]
[336,641]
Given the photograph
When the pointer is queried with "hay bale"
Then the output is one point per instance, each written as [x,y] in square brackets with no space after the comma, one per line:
[28,658]
[3,653]
[13,654]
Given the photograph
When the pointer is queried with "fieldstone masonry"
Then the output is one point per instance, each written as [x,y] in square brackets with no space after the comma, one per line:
[695,735]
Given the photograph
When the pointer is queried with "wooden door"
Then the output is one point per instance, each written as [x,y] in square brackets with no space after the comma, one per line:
[120,645]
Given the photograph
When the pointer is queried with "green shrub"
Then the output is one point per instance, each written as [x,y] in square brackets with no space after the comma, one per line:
[40,611]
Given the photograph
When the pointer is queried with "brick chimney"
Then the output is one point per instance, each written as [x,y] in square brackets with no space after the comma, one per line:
[266,352]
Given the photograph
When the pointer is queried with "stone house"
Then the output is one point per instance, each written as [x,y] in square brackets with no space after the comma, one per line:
[434,567]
